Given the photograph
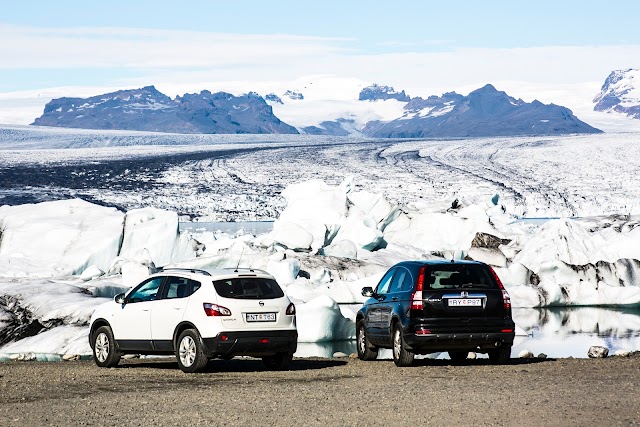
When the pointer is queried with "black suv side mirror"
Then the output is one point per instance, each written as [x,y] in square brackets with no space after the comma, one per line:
[368,292]
[119,298]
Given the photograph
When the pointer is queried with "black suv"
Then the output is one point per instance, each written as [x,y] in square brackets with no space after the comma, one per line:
[422,307]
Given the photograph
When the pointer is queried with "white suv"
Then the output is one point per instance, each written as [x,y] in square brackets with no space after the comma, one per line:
[198,315]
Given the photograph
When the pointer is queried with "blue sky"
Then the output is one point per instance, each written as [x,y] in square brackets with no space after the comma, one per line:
[424,46]
[370,24]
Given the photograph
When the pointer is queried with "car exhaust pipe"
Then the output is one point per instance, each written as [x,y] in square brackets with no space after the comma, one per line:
[497,343]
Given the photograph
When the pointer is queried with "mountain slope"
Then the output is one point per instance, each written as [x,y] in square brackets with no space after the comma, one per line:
[620,93]
[147,109]
[484,112]
[320,107]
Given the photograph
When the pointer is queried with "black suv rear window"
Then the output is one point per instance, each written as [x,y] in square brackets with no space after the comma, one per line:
[248,288]
[453,276]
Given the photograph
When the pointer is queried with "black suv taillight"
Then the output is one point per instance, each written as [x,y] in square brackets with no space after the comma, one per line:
[416,297]
[506,299]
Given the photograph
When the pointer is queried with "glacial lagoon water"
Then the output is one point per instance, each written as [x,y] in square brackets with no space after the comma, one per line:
[252,227]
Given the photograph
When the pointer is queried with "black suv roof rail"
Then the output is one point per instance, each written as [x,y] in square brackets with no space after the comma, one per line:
[190,270]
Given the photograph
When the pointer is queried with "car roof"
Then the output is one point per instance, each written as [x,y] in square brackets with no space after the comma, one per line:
[420,263]
[215,274]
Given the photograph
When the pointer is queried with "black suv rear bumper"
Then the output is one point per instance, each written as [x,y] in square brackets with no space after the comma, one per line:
[251,343]
[429,343]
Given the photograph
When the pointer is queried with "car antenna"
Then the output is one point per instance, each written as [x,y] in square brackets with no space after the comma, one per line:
[238,264]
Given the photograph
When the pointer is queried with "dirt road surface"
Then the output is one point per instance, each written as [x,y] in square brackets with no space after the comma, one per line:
[335,392]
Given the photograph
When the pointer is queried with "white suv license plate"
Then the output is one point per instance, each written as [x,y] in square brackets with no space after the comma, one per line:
[465,302]
[261,317]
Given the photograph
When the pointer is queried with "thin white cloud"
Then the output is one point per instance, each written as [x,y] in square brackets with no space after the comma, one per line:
[26,47]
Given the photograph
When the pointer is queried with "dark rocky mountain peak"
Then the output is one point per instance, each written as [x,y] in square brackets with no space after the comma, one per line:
[484,112]
[147,109]
[272,97]
[377,92]
[293,94]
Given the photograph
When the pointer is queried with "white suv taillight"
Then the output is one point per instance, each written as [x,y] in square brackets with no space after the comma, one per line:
[215,310]
[506,299]
[416,298]
[291,310]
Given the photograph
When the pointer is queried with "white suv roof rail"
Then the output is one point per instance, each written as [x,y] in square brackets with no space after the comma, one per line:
[190,270]
[252,270]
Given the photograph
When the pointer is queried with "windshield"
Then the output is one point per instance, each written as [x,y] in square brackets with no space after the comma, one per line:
[248,288]
[460,276]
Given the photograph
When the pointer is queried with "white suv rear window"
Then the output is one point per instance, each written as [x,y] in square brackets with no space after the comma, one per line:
[248,288]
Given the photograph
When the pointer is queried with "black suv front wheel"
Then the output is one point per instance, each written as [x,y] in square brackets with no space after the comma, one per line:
[365,350]
[401,356]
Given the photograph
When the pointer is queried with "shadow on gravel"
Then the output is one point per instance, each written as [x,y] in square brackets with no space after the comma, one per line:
[477,362]
[235,365]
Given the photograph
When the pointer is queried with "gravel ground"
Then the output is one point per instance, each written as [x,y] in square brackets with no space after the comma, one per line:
[326,392]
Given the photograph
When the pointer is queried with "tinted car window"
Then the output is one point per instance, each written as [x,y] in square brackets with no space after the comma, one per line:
[180,287]
[248,288]
[385,282]
[407,283]
[146,291]
[460,276]
[398,280]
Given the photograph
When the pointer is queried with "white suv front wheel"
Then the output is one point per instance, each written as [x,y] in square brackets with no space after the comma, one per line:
[190,352]
[105,353]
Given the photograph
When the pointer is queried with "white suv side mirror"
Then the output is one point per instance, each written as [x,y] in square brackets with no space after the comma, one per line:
[119,298]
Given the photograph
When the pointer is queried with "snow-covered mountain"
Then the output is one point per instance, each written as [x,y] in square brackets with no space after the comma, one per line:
[336,107]
[147,109]
[620,93]
[484,112]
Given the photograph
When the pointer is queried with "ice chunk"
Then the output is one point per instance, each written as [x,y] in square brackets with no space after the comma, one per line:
[342,249]
[66,339]
[48,300]
[155,230]
[314,201]
[563,240]
[60,238]
[375,206]
[290,235]
[320,276]
[361,230]
[437,232]
[321,320]
[489,256]
[284,271]
[90,273]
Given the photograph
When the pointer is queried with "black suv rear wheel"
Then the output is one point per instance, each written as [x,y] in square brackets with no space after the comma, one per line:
[365,350]
[401,356]
[500,356]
